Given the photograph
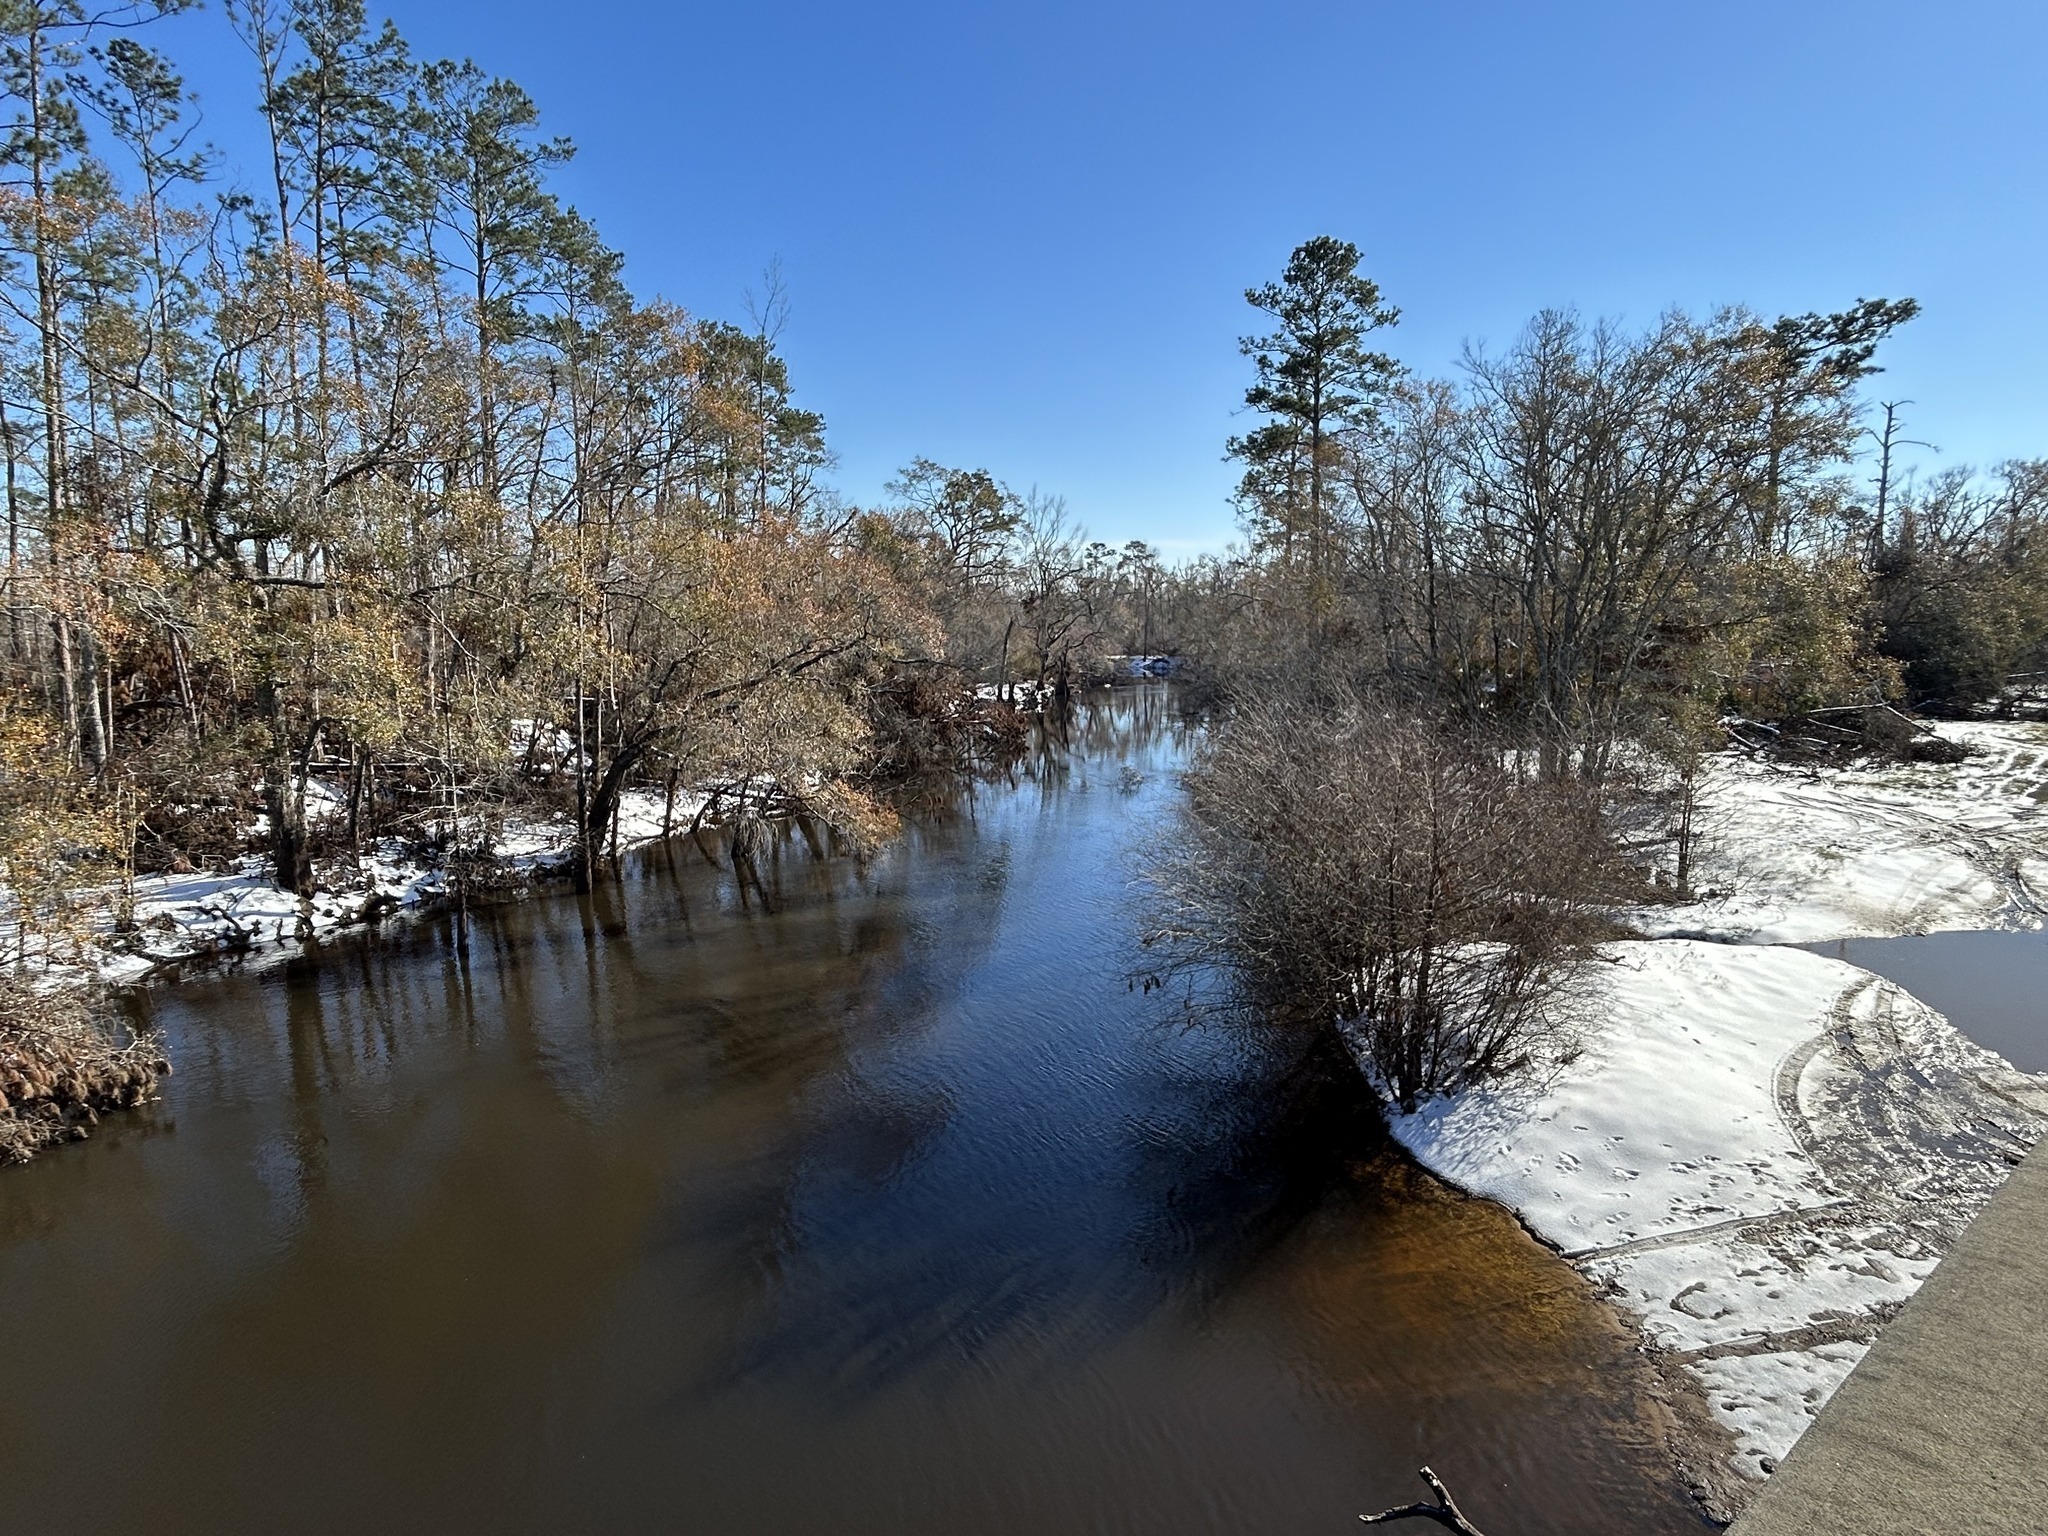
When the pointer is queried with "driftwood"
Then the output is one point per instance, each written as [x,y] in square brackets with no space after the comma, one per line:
[1444,1512]
[1823,734]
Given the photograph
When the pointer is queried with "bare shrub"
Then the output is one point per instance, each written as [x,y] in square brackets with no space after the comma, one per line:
[64,1063]
[1415,883]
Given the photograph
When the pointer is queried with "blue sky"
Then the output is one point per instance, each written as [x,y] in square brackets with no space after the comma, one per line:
[1017,236]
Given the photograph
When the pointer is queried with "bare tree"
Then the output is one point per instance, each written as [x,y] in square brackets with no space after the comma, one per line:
[1607,473]
[1401,877]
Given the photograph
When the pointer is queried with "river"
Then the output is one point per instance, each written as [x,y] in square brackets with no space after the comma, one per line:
[875,1199]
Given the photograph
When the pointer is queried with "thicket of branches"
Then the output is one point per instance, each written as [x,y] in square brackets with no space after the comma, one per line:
[1960,586]
[1356,861]
[63,1062]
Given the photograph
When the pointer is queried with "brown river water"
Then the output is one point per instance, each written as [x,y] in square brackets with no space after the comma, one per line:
[876,1200]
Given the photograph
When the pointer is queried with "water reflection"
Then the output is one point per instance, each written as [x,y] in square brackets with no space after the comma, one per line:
[867,1197]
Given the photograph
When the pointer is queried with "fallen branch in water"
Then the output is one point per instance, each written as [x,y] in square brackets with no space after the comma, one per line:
[1445,1512]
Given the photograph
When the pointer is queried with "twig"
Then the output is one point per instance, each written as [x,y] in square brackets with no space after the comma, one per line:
[1445,1512]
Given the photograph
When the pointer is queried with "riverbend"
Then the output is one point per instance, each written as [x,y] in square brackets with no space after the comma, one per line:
[872,1198]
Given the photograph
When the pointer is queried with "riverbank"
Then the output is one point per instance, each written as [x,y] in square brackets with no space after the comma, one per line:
[62,1065]
[1945,1414]
[65,1061]
[1760,1153]
[119,937]
[116,935]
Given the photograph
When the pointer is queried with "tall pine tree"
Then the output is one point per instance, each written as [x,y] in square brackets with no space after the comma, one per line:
[1317,380]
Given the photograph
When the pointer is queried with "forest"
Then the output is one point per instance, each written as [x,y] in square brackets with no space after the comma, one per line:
[355,500]
[355,496]
[1489,629]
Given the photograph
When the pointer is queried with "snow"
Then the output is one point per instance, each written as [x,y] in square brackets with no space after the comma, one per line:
[1767,1398]
[1666,1120]
[1030,697]
[1799,856]
[1759,1153]
[238,909]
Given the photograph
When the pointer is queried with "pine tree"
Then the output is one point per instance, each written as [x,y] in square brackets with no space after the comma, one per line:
[1318,380]
[1806,367]
[479,172]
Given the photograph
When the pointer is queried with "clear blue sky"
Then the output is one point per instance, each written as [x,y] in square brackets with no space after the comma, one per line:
[1017,236]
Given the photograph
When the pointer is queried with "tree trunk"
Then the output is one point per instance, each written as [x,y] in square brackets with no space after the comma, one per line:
[284,800]
[1688,796]
[604,803]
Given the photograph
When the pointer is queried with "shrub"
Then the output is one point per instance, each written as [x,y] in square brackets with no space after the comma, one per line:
[64,1063]
[1407,879]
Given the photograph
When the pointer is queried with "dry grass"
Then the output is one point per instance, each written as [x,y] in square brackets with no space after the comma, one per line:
[63,1063]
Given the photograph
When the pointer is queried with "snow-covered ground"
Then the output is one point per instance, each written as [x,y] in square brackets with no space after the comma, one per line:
[1796,856]
[1030,697]
[177,917]
[1762,1153]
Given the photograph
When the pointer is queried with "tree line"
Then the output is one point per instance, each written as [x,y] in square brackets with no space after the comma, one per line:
[1487,629]
[1593,526]
[361,482]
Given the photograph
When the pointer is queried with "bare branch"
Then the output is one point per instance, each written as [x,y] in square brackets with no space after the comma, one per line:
[1444,1512]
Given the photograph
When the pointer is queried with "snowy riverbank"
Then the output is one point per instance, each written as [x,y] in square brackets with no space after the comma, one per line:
[238,910]
[1761,1153]
[1797,855]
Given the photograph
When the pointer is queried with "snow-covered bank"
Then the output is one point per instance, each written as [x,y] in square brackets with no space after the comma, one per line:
[1031,698]
[1798,855]
[1760,1153]
[239,910]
